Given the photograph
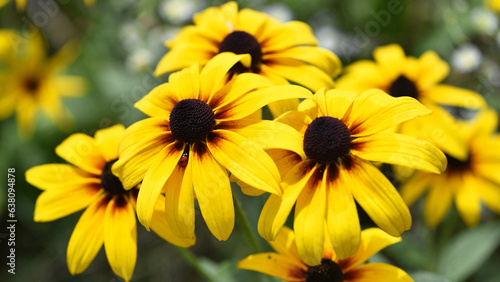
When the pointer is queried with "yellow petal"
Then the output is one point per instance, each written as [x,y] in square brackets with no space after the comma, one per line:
[276,210]
[439,199]
[50,176]
[283,106]
[377,272]
[186,83]
[82,151]
[179,201]
[391,59]
[258,99]
[298,120]
[468,201]
[179,58]
[63,58]
[431,70]
[158,173]
[454,96]
[159,102]
[120,237]
[243,158]
[310,213]
[288,35]
[375,111]
[302,74]
[275,265]
[378,198]
[490,193]
[415,187]
[335,103]
[267,134]
[213,192]
[160,226]
[70,86]
[138,146]
[88,236]
[213,75]
[372,241]
[310,108]
[372,77]
[400,149]
[64,200]
[284,244]
[342,216]
[107,141]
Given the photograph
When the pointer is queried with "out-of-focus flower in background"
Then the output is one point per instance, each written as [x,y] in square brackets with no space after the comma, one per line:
[484,21]
[179,11]
[466,58]
[31,82]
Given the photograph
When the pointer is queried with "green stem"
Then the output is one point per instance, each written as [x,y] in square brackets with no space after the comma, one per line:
[246,226]
[193,261]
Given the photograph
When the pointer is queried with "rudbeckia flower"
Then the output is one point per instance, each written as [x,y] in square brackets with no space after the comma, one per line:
[400,75]
[342,134]
[469,182]
[286,263]
[109,216]
[281,52]
[197,131]
[30,82]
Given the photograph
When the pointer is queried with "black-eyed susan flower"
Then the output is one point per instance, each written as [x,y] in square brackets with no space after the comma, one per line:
[400,75]
[197,131]
[281,52]
[30,82]
[342,133]
[469,182]
[286,263]
[109,216]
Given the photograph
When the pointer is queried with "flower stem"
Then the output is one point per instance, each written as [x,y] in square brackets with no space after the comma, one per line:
[193,261]
[246,226]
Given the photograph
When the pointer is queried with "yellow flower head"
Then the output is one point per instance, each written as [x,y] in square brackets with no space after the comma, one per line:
[196,132]
[30,82]
[286,263]
[342,134]
[281,52]
[469,181]
[109,216]
[401,75]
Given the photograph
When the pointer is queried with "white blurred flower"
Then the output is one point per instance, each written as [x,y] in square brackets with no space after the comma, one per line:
[139,60]
[485,21]
[466,58]
[329,37]
[179,11]
[279,11]
[490,71]
[129,35]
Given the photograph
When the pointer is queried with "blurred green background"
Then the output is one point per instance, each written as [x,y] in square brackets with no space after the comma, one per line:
[121,42]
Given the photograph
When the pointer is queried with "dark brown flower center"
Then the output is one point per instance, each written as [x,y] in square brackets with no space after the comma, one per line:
[31,84]
[326,140]
[327,271]
[456,165]
[402,86]
[191,120]
[109,181]
[240,42]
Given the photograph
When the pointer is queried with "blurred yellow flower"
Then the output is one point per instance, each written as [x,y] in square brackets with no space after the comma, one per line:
[493,5]
[468,182]
[31,82]
[342,134]
[281,52]
[400,75]
[197,131]
[109,216]
[286,263]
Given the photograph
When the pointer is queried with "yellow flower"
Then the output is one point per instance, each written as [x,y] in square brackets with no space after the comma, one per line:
[468,182]
[280,51]
[401,75]
[287,264]
[109,216]
[343,133]
[197,130]
[30,82]
[493,5]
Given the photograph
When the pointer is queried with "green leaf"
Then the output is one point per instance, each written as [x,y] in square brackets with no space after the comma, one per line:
[465,253]
[423,276]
